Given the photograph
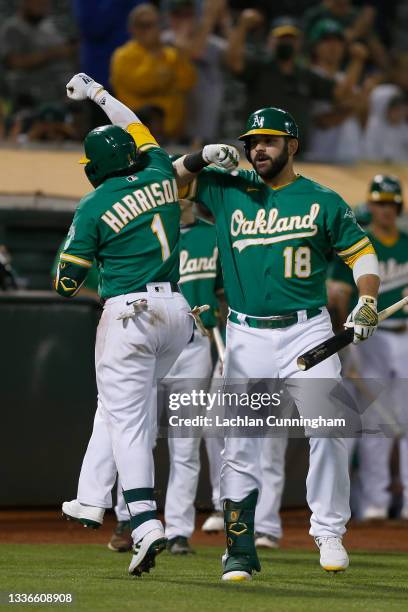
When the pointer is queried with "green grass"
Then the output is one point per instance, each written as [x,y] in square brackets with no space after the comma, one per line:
[290,580]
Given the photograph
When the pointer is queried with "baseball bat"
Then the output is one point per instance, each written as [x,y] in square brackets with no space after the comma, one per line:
[327,348]
[219,343]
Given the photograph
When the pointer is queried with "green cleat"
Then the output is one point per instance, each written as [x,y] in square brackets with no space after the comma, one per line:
[240,559]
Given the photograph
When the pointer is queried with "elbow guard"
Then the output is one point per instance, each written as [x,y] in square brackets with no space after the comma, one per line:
[69,279]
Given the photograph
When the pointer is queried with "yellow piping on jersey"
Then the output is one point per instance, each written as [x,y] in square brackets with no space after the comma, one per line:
[84,160]
[286,184]
[76,260]
[351,260]
[355,247]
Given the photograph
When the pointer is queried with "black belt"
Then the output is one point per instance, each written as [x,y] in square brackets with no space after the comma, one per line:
[275,322]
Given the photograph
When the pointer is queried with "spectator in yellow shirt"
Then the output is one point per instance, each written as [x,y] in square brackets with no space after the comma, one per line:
[146,72]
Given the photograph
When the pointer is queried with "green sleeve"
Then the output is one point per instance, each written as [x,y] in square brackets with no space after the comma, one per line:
[339,271]
[82,238]
[78,252]
[156,158]
[346,237]
[207,188]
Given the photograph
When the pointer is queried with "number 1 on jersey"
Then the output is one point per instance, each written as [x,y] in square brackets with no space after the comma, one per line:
[158,229]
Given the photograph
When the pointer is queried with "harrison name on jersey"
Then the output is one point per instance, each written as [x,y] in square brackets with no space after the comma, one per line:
[140,201]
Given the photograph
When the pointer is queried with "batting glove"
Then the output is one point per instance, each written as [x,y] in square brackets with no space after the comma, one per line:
[363,318]
[223,156]
[82,86]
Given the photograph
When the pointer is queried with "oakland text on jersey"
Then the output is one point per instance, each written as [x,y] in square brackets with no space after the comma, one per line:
[193,268]
[272,224]
[141,200]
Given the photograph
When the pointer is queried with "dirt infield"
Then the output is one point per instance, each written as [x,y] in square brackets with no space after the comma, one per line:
[47,527]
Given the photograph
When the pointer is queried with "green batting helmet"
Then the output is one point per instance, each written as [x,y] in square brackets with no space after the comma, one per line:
[385,189]
[271,121]
[109,150]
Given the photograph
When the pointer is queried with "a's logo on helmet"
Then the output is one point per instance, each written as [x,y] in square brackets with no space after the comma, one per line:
[258,122]
[387,186]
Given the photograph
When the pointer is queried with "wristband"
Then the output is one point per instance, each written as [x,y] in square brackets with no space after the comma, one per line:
[194,162]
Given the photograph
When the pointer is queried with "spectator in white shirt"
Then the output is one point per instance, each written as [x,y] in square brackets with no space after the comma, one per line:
[386,136]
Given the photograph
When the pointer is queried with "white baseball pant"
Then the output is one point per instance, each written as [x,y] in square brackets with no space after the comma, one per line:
[192,370]
[272,353]
[384,357]
[130,355]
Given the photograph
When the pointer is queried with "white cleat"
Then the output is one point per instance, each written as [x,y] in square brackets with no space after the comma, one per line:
[236,576]
[145,552]
[214,523]
[239,574]
[265,540]
[88,516]
[333,555]
[374,513]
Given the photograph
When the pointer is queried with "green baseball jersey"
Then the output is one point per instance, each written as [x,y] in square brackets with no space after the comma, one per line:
[393,268]
[130,226]
[200,273]
[274,244]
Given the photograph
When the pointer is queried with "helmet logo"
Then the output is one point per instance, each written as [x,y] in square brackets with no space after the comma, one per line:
[258,122]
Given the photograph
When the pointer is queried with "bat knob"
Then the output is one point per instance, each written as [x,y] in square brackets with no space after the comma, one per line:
[301,363]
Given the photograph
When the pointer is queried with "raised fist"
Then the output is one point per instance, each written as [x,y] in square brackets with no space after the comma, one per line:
[222,155]
[82,86]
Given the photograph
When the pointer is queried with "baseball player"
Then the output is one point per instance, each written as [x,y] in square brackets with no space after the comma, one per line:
[274,231]
[386,356]
[130,225]
[200,282]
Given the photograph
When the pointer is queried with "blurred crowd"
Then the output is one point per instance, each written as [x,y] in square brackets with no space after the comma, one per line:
[194,69]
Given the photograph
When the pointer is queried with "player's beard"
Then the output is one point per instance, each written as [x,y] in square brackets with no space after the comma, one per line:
[275,166]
